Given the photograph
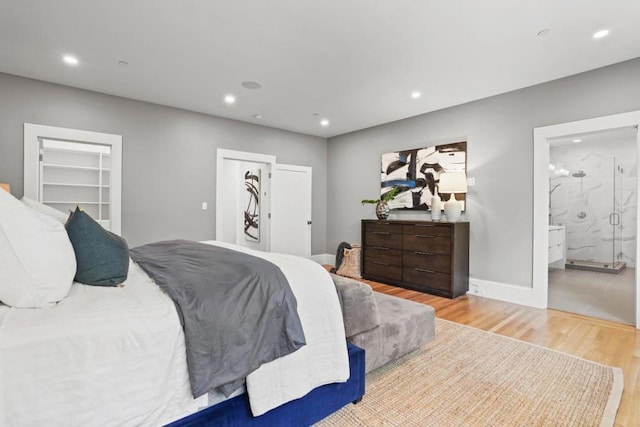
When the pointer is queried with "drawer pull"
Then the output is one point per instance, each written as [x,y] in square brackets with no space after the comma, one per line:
[381,232]
[423,236]
[380,263]
[425,225]
[422,270]
[380,248]
[423,253]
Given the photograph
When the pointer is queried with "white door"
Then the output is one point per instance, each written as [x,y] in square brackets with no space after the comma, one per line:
[291,210]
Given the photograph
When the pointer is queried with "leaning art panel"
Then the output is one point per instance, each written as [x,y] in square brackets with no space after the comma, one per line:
[252,205]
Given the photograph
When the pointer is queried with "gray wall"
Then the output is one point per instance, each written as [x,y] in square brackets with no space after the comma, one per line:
[499,131]
[169,155]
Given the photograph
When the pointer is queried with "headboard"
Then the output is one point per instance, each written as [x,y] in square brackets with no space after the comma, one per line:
[5,187]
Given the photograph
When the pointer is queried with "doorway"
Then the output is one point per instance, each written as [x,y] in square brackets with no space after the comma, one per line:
[243,198]
[543,251]
[592,211]
[64,168]
[263,205]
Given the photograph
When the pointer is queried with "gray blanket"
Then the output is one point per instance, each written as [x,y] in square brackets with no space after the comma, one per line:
[237,310]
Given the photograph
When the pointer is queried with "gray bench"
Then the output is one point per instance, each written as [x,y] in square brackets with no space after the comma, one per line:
[386,327]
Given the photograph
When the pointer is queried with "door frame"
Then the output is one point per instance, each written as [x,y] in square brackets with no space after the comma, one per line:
[33,133]
[541,137]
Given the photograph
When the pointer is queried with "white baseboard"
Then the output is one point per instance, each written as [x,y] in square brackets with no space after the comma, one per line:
[503,292]
[324,259]
[479,287]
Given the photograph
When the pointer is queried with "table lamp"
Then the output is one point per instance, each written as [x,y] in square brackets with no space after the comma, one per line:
[453,182]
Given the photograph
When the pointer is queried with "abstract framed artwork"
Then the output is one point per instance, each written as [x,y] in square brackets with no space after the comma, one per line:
[416,173]
[252,205]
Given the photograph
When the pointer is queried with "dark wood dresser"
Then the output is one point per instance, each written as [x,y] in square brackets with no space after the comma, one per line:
[426,256]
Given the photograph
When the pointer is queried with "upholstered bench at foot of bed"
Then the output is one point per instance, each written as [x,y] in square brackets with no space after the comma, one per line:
[404,326]
[387,327]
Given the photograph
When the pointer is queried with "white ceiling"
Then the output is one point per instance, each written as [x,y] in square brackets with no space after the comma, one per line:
[354,62]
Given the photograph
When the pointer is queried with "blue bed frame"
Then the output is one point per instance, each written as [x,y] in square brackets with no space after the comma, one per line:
[313,407]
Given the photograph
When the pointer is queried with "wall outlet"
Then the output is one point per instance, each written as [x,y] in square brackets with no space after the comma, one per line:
[474,289]
[471,182]
[205,206]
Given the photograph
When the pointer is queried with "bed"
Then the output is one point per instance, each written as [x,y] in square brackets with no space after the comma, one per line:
[116,356]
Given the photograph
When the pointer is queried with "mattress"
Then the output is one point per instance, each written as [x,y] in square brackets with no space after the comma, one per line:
[116,356]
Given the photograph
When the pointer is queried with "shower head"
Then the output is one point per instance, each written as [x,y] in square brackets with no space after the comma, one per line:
[579,174]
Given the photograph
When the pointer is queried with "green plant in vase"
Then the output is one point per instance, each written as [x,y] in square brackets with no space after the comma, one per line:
[382,204]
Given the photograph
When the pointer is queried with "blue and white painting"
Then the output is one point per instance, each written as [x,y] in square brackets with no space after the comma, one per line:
[416,173]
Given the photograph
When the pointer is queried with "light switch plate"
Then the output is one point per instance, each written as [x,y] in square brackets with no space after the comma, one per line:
[205,206]
[471,181]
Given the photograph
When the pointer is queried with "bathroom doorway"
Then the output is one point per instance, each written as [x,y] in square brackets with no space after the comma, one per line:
[592,212]
[546,248]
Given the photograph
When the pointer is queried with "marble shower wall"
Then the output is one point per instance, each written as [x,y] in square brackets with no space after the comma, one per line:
[601,180]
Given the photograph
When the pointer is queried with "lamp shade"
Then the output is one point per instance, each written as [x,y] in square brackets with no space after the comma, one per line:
[453,182]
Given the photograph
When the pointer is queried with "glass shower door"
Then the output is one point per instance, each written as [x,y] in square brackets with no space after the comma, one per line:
[591,212]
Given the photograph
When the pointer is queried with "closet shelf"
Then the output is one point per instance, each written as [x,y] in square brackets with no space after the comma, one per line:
[67,184]
[76,151]
[89,168]
[58,202]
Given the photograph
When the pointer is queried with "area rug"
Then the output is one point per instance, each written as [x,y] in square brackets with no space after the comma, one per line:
[469,377]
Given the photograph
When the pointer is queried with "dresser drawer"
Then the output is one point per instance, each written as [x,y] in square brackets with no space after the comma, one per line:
[427,261]
[426,279]
[383,227]
[383,270]
[426,243]
[382,254]
[383,239]
[428,230]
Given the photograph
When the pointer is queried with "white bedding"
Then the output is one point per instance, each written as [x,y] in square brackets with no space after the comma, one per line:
[116,356]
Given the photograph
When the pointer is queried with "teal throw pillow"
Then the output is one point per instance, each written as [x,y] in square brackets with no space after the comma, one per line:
[101,256]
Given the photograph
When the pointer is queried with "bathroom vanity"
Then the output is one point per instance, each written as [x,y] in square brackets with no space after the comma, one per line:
[557,247]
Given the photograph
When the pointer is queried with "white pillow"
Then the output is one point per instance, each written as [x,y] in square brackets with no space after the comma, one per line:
[37,262]
[46,210]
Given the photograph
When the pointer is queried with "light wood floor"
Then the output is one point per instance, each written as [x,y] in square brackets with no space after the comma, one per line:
[593,339]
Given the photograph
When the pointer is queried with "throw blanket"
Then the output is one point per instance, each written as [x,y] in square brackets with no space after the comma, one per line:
[237,310]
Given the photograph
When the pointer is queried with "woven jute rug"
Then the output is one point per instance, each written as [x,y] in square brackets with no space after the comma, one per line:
[469,377]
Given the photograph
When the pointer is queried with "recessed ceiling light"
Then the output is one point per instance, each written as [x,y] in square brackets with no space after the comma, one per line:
[251,85]
[70,60]
[324,123]
[229,99]
[577,140]
[600,34]
[257,116]
[416,95]
[544,32]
